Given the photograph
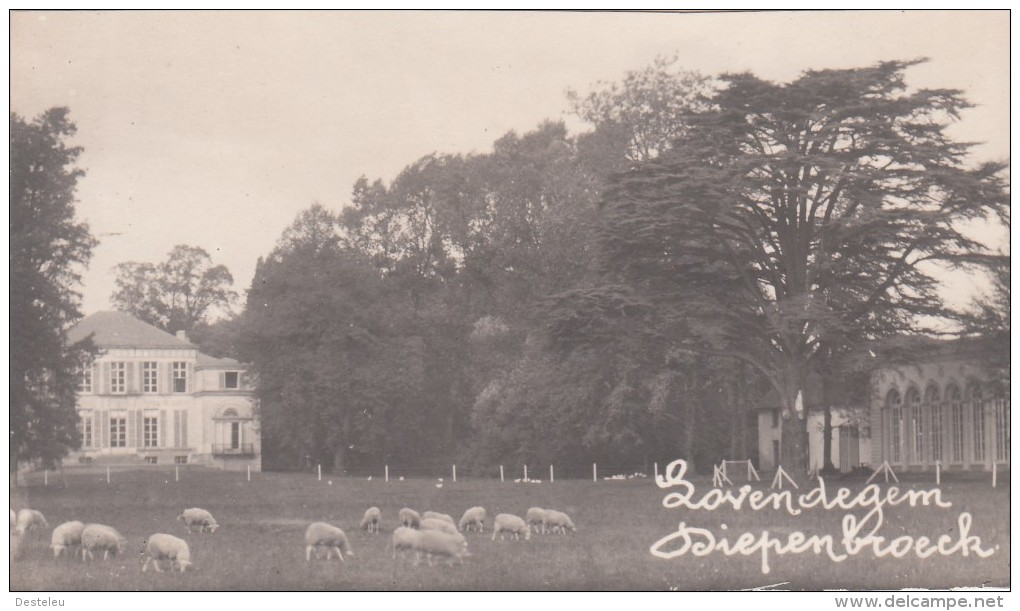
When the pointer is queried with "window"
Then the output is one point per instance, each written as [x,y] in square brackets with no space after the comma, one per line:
[152,460]
[916,428]
[230,379]
[180,460]
[180,377]
[84,379]
[150,383]
[977,407]
[150,431]
[118,378]
[892,401]
[86,430]
[235,435]
[931,398]
[955,424]
[1001,430]
[118,432]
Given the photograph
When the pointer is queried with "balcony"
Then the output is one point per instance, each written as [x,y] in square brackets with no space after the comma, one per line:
[244,450]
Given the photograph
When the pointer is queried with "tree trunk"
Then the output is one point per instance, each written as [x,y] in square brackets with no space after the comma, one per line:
[794,444]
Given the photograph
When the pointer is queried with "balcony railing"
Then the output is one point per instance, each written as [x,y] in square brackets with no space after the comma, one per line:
[243,449]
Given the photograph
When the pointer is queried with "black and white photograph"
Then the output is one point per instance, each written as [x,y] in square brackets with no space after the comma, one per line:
[701,302]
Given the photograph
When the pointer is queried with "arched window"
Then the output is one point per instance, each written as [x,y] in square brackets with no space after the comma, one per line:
[229,413]
[977,410]
[931,400]
[916,428]
[893,403]
[952,395]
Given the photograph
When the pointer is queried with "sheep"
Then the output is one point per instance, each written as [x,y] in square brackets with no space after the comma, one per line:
[198,517]
[473,517]
[320,534]
[440,525]
[557,520]
[161,546]
[96,537]
[409,517]
[536,519]
[435,515]
[371,520]
[404,539]
[510,523]
[30,519]
[436,543]
[65,537]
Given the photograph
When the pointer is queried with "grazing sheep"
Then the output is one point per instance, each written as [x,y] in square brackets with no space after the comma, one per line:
[167,547]
[65,537]
[320,534]
[510,523]
[404,539]
[435,515]
[558,521]
[371,520]
[536,519]
[96,537]
[409,517]
[198,517]
[434,543]
[440,525]
[30,519]
[473,517]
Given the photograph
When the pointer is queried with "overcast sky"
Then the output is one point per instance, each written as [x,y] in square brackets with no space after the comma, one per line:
[215,129]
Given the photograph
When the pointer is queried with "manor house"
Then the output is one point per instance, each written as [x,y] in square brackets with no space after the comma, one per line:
[152,397]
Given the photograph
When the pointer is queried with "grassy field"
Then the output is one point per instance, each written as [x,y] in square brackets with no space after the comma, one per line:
[260,543]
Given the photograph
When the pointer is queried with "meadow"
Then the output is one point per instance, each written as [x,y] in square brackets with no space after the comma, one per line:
[260,546]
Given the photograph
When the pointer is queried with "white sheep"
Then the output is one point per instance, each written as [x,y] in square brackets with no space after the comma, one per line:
[436,524]
[175,551]
[198,517]
[409,517]
[320,534]
[371,520]
[403,539]
[536,519]
[435,515]
[96,537]
[558,521]
[510,523]
[473,517]
[434,543]
[30,519]
[65,537]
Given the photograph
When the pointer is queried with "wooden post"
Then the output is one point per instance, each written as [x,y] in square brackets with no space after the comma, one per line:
[249,472]
[107,475]
[46,477]
[454,473]
[938,472]
[177,473]
[594,472]
[552,476]
[995,472]
[387,473]
[319,467]
[501,473]
[656,467]
[525,472]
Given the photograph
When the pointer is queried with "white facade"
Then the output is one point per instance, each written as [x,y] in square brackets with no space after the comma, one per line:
[163,403]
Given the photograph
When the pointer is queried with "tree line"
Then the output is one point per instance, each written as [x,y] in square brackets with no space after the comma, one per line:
[625,294]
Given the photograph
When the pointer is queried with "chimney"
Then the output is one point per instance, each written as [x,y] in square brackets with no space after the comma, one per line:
[182,335]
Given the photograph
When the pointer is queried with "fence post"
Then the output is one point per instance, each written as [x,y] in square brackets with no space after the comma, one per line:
[995,472]
[319,467]
[454,473]
[552,476]
[938,472]
[249,472]
[177,473]
[501,473]
[525,472]
[387,473]
[655,465]
[594,472]
[46,477]
[107,474]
